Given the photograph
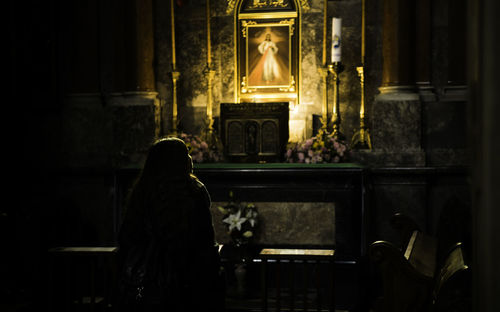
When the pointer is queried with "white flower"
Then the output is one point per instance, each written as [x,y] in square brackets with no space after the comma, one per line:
[234,221]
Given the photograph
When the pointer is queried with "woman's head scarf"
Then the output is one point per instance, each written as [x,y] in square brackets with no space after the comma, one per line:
[167,159]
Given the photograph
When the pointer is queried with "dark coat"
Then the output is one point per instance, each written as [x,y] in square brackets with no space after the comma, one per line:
[176,214]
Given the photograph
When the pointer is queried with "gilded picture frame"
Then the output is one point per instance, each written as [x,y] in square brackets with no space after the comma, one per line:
[268,57]
[267,54]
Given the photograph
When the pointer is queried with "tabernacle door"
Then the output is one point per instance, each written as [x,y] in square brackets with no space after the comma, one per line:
[254,132]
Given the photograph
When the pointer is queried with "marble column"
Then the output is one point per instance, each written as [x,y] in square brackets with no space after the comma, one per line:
[423,57]
[83,128]
[396,112]
[483,81]
[134,104]
[133,46]
[140,39]
[456,42]
[398,45]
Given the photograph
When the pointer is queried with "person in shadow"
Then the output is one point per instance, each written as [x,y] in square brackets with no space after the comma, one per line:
[168,255]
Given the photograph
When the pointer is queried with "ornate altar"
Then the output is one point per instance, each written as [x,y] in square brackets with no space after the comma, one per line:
[254,132]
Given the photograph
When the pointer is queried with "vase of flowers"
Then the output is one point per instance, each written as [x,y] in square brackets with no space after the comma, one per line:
[322,148]
[240,220]
[200,150]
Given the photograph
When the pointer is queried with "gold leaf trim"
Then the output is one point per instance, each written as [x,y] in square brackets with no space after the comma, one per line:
[304,4]
[244,27]
[230,6]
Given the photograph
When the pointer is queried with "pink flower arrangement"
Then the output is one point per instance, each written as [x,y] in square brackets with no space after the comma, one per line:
[199,150]
[322,148]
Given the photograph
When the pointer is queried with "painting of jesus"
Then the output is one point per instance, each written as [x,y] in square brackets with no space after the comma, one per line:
[268,56]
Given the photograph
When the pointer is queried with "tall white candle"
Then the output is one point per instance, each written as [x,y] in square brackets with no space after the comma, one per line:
[336,39]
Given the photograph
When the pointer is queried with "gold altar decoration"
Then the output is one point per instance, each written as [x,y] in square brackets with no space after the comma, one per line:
[175,77]
[305,4]
[210,74]
[175,73]
[323,71]
[361,139]
[336,68]
[261,3]
[230,6]
[325,17]
[267,50]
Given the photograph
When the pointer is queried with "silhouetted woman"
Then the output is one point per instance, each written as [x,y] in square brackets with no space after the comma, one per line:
[167,246]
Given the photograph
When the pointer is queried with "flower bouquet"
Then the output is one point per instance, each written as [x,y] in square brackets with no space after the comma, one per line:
[199,150]
[240,221]
[322,148]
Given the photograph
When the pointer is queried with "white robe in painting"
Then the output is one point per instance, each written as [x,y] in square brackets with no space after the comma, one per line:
[270,70]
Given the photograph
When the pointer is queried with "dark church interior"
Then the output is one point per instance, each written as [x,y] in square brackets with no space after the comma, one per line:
[348,146]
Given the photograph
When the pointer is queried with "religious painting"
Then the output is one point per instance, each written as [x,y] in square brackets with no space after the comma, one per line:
[268,53]
[268,63]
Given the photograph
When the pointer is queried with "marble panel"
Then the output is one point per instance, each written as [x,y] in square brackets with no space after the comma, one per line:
[223,51]
[287,223]
[133,134]
[311,84]
[86,132]
[396,130]
[444,133]
[445,124]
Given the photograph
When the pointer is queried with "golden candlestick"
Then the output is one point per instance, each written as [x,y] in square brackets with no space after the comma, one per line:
[361,139]
[172,26]
[210,136]
[209,42]
[175,73]
[323,71]
[210,74]
[175,77]
[336,68]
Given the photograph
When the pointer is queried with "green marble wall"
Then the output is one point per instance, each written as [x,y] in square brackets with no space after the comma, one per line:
[286,223]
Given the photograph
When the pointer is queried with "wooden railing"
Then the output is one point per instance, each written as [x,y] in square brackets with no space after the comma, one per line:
[82,278]
[299,298]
